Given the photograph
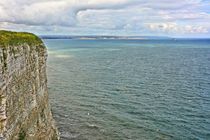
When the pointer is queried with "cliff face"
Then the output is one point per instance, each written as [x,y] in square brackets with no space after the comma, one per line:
[24,108]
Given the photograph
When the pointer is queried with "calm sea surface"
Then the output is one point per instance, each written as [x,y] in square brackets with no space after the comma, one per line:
[130,89]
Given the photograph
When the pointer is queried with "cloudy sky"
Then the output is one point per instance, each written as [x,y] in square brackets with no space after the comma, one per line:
[183,18]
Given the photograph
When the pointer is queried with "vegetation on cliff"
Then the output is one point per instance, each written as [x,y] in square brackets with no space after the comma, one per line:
[8,38]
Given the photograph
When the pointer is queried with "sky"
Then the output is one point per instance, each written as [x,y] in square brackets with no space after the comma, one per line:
[177,18]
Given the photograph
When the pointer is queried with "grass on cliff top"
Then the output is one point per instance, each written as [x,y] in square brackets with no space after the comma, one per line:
[8,38]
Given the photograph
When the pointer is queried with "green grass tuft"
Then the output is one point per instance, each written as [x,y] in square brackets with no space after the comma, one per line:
[8,38]
[22,135]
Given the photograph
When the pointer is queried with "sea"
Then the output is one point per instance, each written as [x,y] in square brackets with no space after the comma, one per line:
[155,89]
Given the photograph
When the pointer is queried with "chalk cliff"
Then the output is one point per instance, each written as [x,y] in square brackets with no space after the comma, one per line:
[24,108]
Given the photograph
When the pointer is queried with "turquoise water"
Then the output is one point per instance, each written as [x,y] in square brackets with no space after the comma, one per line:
[130,89]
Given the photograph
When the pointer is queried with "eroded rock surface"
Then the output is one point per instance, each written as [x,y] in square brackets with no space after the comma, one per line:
[25,112]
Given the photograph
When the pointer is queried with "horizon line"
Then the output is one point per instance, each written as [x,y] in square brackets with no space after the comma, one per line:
[122,36]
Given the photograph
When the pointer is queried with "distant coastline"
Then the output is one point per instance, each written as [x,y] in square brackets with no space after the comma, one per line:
[99,37]
[95,37]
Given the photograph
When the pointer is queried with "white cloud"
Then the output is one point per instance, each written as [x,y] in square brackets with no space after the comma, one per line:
[174,28]
[111,16]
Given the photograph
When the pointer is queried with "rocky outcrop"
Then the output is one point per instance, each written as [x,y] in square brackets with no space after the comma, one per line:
[24,108]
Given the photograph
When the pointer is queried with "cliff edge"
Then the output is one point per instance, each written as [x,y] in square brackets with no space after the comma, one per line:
[24,108]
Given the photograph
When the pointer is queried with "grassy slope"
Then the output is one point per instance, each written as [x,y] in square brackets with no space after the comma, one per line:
[8,38]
